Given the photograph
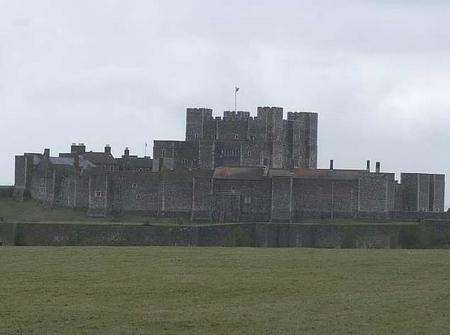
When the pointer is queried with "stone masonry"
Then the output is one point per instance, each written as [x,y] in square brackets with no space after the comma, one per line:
[228,169]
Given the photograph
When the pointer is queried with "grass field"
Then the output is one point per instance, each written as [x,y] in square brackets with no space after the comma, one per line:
[164,290]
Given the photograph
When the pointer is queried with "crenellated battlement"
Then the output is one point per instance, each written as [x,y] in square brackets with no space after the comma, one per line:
[265,139]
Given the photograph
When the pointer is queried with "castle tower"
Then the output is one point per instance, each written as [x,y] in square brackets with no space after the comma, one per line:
[197,123]
[271,127]
[301,140]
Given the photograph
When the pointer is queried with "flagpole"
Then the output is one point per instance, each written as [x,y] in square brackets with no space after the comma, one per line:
[236,89]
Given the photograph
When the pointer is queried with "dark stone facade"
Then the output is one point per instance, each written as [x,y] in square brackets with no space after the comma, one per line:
[230,169]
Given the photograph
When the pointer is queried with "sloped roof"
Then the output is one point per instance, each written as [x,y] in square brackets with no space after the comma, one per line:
[316,173]
[98,158]
[135,162]
[69,161]
[61,161]
[280,173]
[328,173]
[249,173]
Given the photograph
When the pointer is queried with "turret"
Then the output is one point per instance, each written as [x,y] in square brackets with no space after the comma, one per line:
[302,130]
[196,122]
[108,149]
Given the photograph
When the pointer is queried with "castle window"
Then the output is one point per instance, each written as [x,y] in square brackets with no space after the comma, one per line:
[134,185]
[138,196]
[249,153]
[99,194]
[236,136]
[247,199]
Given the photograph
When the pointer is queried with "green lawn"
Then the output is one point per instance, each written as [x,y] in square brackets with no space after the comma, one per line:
[165,290]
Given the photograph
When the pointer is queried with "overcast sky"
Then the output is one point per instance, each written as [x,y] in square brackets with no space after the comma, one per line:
[123,73]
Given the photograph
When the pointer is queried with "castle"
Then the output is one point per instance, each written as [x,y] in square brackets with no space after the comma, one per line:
[228,169]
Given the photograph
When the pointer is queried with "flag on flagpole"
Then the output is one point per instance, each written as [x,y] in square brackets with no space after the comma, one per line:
[236,89]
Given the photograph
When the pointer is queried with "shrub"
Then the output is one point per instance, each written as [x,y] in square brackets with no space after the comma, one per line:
[409,237]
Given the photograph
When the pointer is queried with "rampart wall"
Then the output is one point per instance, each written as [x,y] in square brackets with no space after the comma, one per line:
[431,234]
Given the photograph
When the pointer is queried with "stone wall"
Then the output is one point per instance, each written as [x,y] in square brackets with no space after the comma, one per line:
[177,195]
[282,199]
[201,197]
[331,198]
[422,192]
[241,200]
[438,204]
[376,192]
[139,192]
[431,234]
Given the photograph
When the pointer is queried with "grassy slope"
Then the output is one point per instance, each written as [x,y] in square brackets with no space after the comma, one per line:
[32,211]
[223,291]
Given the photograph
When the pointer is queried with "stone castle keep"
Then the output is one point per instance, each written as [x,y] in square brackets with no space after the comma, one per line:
[228,169]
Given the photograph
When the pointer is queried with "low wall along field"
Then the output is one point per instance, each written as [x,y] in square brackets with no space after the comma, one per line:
[414,235]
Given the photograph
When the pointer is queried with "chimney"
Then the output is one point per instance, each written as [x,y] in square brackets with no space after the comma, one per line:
[47,153]
[368,166]
[79,148]
[331,164]
[126,153]
[108,149]
[377,167]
